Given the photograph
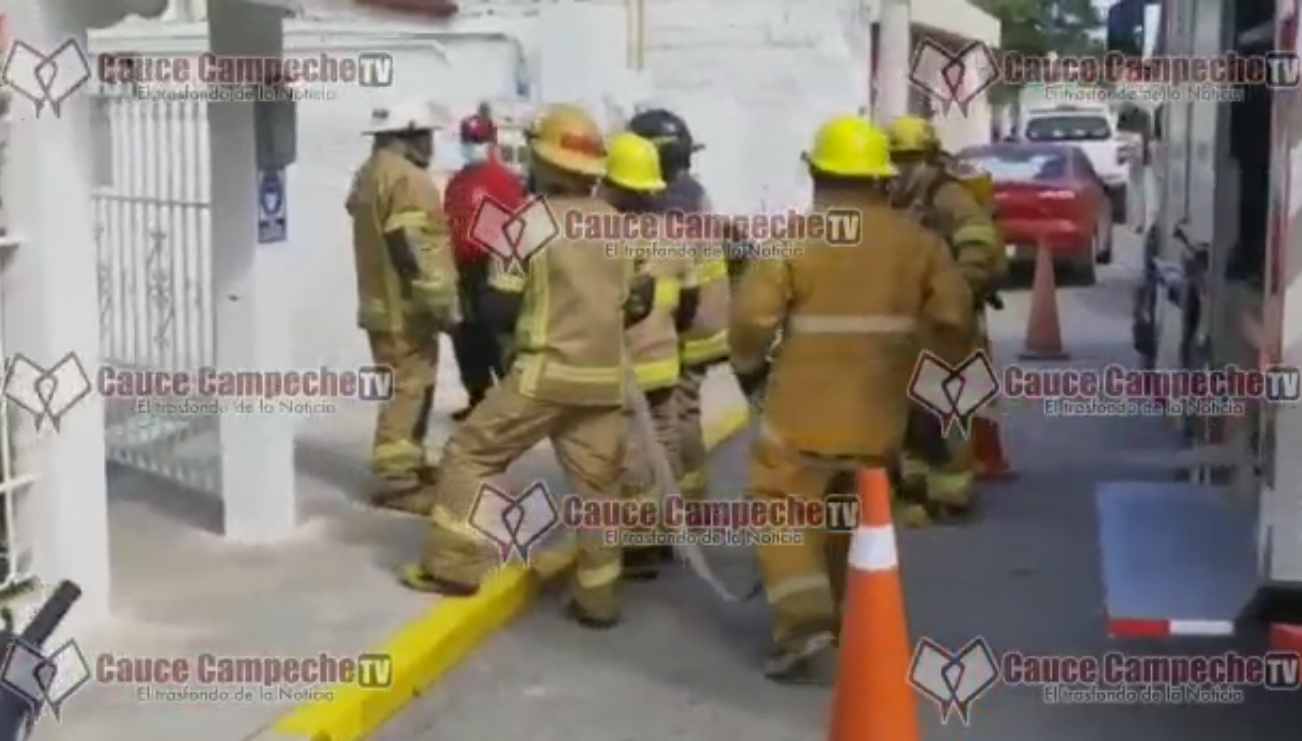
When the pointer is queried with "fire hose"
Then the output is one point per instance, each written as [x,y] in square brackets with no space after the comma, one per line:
[666,484]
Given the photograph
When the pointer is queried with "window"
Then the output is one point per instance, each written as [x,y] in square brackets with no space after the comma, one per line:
[1068,128]
[1014,166]
[1081,164]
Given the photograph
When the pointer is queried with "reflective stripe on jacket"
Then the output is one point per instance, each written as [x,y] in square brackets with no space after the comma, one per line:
[849,318]
[653,342]
[569,338]
[391,194]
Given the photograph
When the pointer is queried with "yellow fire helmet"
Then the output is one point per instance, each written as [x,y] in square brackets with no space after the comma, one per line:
[567,137]
[633,163]
[850,146]
[913,134]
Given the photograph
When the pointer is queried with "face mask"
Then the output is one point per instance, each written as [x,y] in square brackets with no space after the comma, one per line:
[474,153]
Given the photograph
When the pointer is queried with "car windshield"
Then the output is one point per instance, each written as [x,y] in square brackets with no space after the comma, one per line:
[1015,166]
[1068,128]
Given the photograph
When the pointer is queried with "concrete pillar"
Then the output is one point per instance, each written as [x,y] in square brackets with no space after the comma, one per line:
[893,60]
[251,304]
[50,309]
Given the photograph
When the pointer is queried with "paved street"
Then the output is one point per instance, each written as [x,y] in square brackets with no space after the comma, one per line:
[1025,576]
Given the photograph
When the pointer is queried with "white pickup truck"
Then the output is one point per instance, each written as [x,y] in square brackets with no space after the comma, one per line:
[1094,131]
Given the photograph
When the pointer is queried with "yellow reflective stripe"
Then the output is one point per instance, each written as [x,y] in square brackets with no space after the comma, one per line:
[666,293]
[506,281]
[444,518]
[980,233]
[913,467]
[398,452]
[863,324]
[530,372]
[538,333]
[788,588]
[657,373]
[580,374]
[709,348]
[710,271]
[694,479]
[415,219]
[533,322]
[593,578]
[943,484]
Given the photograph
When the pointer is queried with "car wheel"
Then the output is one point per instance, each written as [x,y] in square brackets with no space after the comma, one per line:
[1105,251]
[1117,196]
[1087,274]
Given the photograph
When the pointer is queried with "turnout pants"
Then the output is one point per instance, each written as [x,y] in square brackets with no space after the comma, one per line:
[804,580]
[939,468]
[479,358]
[639,473]
[398,451]
[694,481]
[589,443]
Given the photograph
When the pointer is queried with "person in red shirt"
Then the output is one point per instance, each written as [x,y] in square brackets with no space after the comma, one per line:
[479,356]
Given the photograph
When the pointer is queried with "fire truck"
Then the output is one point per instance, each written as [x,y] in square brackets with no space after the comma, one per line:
[1219,549]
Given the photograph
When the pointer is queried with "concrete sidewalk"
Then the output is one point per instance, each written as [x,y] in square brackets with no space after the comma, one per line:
[180,590]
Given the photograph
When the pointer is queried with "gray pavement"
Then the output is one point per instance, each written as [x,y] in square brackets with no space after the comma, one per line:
[1025,576]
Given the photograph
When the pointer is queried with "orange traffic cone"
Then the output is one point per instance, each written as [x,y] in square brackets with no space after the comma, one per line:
[874,701]
[987,434]
[1043,336]
[988,447]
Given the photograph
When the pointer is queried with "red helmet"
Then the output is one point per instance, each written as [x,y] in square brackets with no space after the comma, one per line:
[478,129]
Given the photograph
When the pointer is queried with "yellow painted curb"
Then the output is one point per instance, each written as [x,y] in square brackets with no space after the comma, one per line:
[426,649]
[729,423]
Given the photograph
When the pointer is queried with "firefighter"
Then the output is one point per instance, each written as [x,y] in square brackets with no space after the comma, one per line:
[407,290]
[703,307]
[479,357]
[631,186]
[837,397]
[939,193]
[569,304]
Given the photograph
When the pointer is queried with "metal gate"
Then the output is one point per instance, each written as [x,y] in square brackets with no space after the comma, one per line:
[152,216]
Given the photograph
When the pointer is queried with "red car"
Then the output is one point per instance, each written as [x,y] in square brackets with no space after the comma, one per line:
[1049,194]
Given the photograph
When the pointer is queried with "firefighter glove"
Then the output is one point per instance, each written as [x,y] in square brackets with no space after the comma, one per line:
[640,299]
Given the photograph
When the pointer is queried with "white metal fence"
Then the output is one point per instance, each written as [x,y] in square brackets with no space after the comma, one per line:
[151,206]
[16,547]
[16,550]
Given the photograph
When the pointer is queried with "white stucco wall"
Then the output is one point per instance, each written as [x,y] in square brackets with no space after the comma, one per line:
[754,81]
[959,129]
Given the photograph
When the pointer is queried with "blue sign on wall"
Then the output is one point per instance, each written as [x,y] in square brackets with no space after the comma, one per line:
[272,207]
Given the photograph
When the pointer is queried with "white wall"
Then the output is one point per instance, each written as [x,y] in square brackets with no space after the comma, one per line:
[754,81]
[960,18]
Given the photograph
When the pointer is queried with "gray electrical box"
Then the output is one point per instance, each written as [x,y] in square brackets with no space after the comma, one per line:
[276,130]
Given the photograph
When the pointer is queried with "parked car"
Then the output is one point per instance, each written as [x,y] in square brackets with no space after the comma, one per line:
[1049,194]
[1094,130]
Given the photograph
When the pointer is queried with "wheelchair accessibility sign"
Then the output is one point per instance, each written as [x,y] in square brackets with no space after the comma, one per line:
[271,207]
